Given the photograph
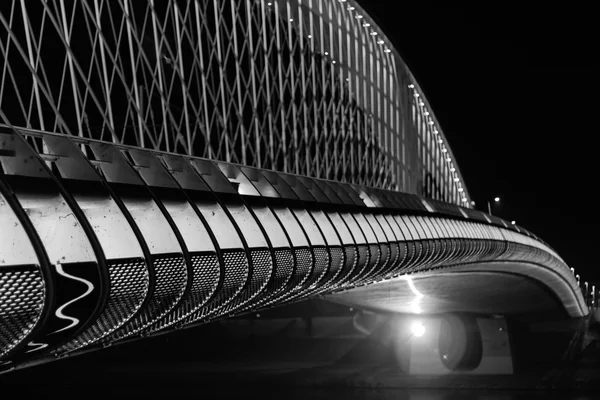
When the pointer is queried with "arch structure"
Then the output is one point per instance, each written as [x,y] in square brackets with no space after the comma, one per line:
[309,87]
[164,164]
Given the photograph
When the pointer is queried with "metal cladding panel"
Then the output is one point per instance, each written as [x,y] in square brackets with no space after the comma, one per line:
[17,158]
[42,200]
[247,224]
[235,175]
[309,226]
[219,223]
[297,187]
[189,225]
[406,227]
[69,160]
[152,223]
[341,228]
[365,227]
[109,224]
[368,200]
[357,233]
[260,182]
[182,171]
[271,225]
[280,185]
[106,219]
[327,230]
[212,176]
[22,285]
[291,225]
[400,235]
[331,195]
[389,233]
[346,193]
[313,188]
[15,246]
[379,234]
[113,164]
[150,169]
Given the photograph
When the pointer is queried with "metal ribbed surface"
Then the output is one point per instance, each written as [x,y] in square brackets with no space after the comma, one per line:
[284,274]
[335,268]
[171,279]
[129,282]
[237,272]
[262,269]
[21,303]
[206,272]
[350,264]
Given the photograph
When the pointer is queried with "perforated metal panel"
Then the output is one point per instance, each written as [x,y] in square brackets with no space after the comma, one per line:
[262,268]
[171,279]
[21,303]
[278,285]
[206,273]
[336,256]
[129,281]
[236,275]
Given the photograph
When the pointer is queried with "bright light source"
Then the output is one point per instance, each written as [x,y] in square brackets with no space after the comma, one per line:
[411,86]
[418,329]
[497,199]
[513,222]
[472,203]
[460,189]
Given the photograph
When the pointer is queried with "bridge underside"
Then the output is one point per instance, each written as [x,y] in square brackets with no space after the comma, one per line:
[104,243]
[483,289]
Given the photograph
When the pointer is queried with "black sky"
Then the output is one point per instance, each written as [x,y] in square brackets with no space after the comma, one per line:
[516,93]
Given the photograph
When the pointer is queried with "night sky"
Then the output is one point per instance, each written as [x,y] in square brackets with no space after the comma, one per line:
[516,92]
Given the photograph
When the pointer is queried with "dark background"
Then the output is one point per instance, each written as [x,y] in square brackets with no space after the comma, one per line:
[516,93]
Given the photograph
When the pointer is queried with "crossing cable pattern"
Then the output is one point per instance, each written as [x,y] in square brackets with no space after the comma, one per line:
[310,87]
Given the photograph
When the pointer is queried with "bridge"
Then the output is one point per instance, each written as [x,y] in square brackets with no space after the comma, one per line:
[168,165]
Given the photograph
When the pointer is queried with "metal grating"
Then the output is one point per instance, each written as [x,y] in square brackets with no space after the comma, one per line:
[350,265]
[284,274]
[262,269]
[129,282]
[237,272]
[171,279]
[206,273]
[21,303]
[337,262]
